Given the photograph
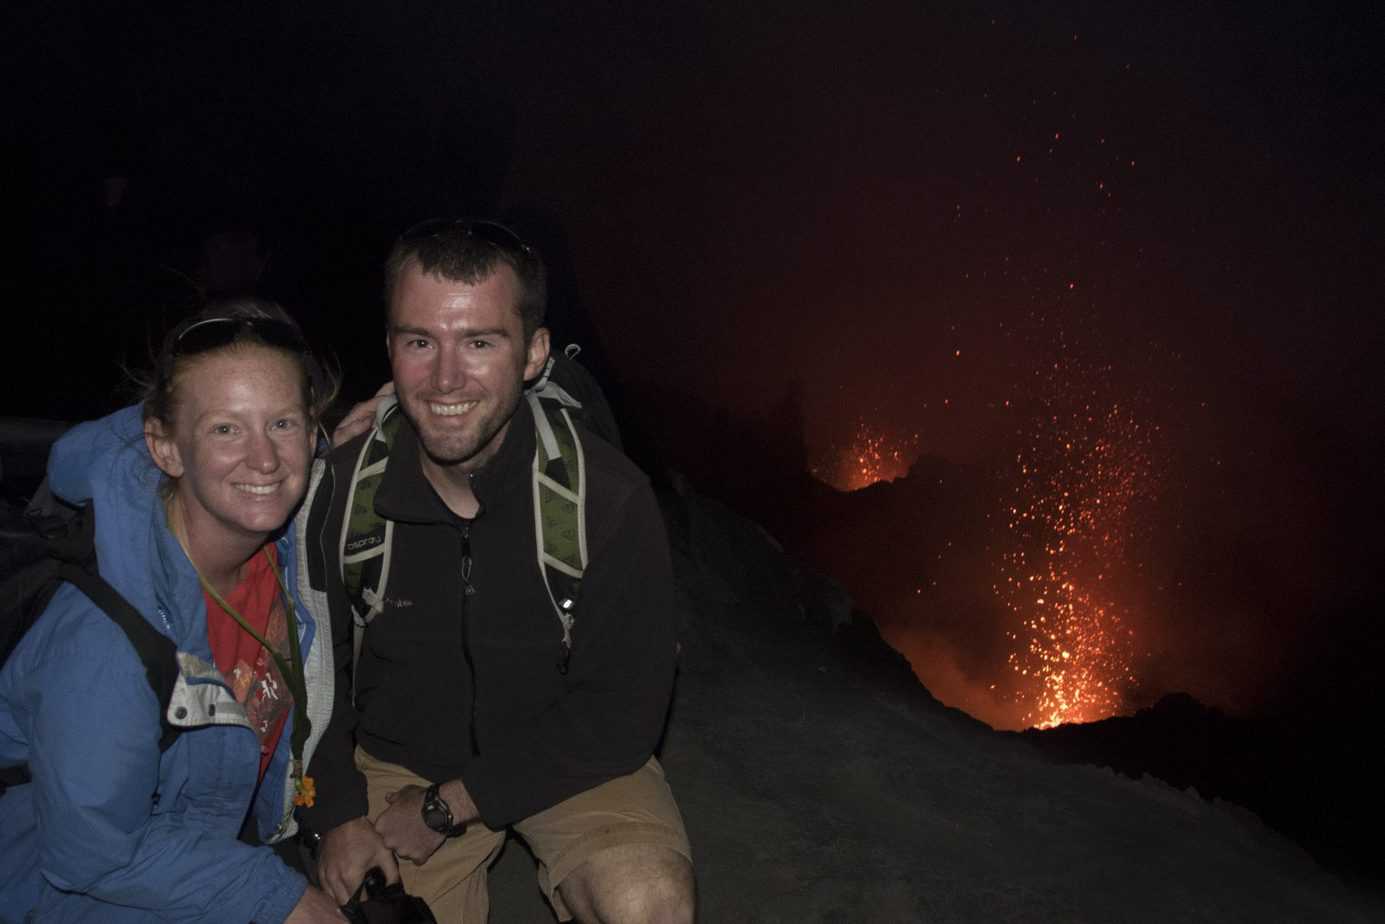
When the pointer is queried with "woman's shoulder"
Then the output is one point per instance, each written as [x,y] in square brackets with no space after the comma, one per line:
[99,454]
[73,638]
[76,674]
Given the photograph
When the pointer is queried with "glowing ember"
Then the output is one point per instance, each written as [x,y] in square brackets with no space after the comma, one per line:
[1084,470]
[874,455]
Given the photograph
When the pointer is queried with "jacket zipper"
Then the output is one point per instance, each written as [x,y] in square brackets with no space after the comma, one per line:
[466,629]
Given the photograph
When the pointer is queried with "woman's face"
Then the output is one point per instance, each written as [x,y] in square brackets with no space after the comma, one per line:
[239,449]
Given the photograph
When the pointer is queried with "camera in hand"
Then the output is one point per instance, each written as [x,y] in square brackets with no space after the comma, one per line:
[374,902]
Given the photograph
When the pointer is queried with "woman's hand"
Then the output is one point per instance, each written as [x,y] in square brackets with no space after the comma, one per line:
[361,417]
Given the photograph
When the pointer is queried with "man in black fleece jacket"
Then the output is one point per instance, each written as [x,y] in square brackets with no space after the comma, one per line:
[471,715]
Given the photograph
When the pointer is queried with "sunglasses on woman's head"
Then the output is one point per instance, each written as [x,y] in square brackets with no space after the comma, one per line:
[212,333]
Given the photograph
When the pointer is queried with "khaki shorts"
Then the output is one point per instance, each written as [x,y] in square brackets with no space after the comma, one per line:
[634,809]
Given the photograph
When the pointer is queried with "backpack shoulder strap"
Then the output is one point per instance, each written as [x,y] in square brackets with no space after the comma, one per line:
[72,558]
[155,650]
[560,510]
[367,537]
[559,482]
[547,387]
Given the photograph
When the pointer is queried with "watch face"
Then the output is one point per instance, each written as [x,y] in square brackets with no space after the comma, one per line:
[434,818]
[436,813]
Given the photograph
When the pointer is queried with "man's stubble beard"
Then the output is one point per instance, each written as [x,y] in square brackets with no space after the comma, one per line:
[469,449]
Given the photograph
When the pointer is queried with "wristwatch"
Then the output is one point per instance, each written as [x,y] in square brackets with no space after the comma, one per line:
[437,814]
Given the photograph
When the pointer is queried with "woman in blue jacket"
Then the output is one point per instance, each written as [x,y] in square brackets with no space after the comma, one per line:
[191,493]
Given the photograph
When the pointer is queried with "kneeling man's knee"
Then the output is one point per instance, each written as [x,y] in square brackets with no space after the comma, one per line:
[632,883]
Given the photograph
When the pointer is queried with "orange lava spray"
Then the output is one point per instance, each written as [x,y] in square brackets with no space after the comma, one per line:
[1084,470]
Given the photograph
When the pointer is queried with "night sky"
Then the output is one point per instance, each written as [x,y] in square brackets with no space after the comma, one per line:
[955,227]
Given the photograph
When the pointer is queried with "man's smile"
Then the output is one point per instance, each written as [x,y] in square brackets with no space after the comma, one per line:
[451,410]
[258,489]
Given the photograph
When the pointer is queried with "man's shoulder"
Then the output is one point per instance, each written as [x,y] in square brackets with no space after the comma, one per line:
[621,503]
[608,467]
[349,450]
[330,485]
[342,460]
[327,473]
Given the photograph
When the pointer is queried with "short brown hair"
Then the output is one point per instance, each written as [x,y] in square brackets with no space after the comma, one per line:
[470,250]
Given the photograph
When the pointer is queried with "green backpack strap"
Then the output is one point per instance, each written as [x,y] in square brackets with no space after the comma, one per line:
[560,509]
[559,480]
[367,537]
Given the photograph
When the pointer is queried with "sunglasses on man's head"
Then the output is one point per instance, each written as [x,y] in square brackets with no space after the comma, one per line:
[212,333]
[491,232]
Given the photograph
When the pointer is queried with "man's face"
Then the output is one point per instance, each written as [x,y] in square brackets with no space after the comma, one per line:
[460,361]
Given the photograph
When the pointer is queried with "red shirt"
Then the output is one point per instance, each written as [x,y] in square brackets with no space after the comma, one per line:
[247,667]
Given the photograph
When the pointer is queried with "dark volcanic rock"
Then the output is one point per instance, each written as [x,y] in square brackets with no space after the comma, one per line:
[820,782]
[1312,778]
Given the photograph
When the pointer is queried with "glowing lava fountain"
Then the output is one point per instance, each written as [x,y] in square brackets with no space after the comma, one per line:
[1079,480]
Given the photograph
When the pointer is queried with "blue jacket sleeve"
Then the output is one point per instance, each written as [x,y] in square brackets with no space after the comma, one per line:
[105,828]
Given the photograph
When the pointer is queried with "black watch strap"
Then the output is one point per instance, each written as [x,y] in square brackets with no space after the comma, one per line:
[437,814]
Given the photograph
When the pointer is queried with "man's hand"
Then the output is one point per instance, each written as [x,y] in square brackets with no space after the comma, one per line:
[348,852]
[402,829]
[315,907]
[361,417]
